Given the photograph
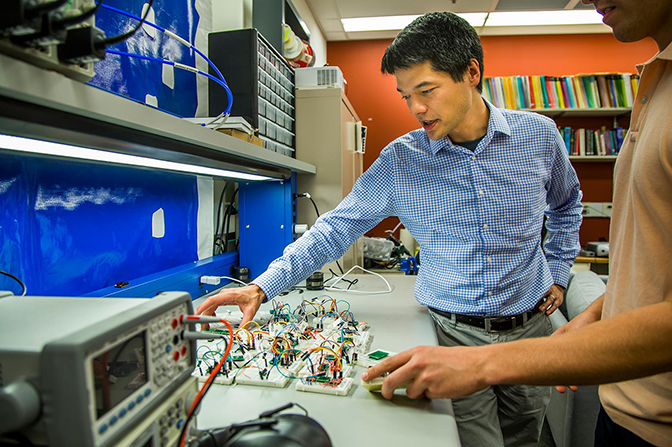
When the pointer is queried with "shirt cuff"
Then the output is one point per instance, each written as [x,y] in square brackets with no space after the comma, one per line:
[270,284]
[559,272]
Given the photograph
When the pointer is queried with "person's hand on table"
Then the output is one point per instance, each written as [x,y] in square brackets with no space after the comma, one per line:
[248,299]
[431,371]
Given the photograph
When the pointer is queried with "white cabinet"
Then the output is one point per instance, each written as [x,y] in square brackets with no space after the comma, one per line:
[326,135]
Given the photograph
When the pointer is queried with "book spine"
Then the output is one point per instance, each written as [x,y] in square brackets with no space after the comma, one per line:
[627,85]
[558,92]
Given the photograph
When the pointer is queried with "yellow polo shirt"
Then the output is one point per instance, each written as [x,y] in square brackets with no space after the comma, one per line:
[641,244]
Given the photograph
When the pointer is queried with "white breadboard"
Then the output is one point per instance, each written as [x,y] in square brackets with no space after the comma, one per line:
[342,389]
[219,380]
[307,349]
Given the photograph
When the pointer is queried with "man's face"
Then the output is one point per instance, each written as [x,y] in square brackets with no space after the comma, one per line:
[633,20]
[433,98]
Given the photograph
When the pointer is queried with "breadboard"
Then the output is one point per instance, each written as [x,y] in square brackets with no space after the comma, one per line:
[342,389]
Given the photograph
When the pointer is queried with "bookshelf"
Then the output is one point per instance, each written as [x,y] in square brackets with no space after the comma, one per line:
[593,157]
[576,117]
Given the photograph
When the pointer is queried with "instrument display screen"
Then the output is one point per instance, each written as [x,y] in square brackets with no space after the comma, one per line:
[118,372]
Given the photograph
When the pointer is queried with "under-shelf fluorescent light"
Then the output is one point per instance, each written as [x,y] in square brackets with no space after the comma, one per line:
[64,150]
[543,18]
[392,23]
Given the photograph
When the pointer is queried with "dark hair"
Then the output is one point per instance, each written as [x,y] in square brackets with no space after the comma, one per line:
[444,39]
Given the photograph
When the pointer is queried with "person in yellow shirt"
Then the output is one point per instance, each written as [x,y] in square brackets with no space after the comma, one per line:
[622,340]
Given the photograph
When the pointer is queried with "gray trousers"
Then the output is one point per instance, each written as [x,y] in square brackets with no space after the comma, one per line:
[502,415]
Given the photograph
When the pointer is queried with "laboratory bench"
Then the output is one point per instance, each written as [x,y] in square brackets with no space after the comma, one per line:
[397,322]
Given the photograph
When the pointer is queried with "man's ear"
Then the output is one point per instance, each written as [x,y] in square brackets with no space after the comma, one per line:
[473,72]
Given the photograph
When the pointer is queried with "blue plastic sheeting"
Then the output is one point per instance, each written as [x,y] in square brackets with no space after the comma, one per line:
[137,78]
[69,228]
[184,278]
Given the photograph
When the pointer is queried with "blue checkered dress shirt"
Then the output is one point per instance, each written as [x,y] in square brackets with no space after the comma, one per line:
[477,216]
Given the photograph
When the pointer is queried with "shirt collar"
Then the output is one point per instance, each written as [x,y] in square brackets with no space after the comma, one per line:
[664,54]
[496,123]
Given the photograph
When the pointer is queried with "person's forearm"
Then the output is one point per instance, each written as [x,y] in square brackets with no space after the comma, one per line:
[632,345]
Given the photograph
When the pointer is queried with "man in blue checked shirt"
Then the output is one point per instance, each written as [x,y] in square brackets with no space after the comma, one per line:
[472,186]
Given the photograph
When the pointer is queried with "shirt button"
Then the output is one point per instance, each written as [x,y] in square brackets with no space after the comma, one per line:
[644,99]
[489,259]
[480,192]
[485,227]
[489,293]
[473,158]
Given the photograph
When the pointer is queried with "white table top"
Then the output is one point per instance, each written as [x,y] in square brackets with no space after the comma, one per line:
[397,323]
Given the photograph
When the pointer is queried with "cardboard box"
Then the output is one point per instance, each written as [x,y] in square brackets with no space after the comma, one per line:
[243,136]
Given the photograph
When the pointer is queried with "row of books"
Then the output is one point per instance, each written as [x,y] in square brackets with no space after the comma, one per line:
[561,92]
[592,142]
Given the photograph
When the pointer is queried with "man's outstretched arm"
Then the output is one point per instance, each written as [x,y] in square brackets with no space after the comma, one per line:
[632,345]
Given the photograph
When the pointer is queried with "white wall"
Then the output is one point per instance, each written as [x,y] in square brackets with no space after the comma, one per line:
[231,14]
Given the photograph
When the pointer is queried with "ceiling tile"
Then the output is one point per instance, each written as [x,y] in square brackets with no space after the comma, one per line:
[331,25]
[333,36]
[324,9]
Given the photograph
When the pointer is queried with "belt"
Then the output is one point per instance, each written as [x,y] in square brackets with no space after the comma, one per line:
[493,324]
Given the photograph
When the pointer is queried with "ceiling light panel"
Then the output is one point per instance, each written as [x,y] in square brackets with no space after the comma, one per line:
[543,18]
[358,24]
[376,8]
[527,5]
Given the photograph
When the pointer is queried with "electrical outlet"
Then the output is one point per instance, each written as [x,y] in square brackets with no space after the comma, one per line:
[596,209]
[606,208]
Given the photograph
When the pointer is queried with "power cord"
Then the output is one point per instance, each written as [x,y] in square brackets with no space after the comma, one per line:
[361,292]
[23,286]
[184,42]
[121,37]
[174,64]
[307,196]
[88,44]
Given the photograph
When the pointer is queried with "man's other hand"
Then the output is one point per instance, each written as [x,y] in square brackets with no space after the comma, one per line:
[432,371]
[553,299]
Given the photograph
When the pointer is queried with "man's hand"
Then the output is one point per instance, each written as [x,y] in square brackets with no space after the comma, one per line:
[553,299]
[590,315]
[435,372]
[247,298]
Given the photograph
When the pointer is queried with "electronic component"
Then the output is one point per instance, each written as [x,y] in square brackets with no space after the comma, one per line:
[94,367]
[378,355]
[36,33]
[315,281]
[373,358]
[601,249]
[319,77]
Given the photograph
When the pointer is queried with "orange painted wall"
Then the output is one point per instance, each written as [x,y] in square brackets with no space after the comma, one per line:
[380,107]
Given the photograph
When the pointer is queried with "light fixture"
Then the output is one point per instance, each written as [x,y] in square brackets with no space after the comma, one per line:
[543,18]
[392,23]
[31,146]
[478,19]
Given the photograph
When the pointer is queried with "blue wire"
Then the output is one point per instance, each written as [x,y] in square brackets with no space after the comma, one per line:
[167,62]
[229,94]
